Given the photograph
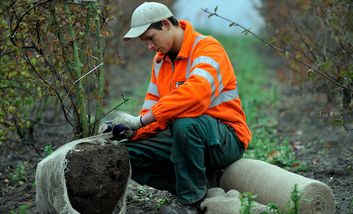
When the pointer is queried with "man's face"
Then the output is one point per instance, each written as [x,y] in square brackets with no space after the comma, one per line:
[158,40]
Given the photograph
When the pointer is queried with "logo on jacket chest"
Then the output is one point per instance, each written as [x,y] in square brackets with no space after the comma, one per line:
[179,83]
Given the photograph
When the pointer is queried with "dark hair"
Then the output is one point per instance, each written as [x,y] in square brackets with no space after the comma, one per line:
[158,25]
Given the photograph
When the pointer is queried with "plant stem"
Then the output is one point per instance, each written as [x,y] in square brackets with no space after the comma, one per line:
[82,117]
[100,70]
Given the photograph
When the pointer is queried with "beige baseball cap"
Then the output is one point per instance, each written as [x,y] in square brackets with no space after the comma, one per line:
[144,15]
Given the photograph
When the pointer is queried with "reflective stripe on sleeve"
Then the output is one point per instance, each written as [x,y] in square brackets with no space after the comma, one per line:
[225,96]
[206,75]
[197,40]
[206,59]
[148,104]
[152,89]
[214,64]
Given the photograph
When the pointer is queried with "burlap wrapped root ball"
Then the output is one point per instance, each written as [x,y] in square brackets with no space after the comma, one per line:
[84,176]
[272,184]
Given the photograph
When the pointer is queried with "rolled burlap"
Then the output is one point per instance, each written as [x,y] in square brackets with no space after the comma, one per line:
[272,184]
[219,202]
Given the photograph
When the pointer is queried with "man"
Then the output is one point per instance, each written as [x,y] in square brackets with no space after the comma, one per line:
[192,123]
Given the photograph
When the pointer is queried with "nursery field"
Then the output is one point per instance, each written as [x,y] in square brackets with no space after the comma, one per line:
[287,128]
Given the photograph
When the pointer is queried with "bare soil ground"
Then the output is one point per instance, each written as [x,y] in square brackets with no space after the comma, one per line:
[326,149]
[306,120]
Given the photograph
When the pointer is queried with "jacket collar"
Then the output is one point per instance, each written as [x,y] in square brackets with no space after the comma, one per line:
[188,40]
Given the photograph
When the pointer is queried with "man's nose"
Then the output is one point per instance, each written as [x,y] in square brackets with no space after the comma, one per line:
[150,46]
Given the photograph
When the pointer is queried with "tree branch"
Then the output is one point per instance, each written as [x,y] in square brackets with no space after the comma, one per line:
[280,50]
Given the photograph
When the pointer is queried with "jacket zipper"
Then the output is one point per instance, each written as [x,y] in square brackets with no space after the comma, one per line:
[171,79]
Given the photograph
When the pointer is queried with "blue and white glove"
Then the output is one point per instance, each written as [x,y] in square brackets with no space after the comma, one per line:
[119,131]
[122,132]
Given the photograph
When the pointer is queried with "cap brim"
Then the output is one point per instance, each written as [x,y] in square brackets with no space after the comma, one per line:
[136,32]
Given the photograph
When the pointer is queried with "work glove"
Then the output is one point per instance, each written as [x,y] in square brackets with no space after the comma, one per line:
[121,132]
[129,121]
[105,127]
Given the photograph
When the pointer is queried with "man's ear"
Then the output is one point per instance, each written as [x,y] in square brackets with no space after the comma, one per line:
[165,24]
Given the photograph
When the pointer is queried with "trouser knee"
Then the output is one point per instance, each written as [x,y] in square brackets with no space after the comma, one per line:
[184,127]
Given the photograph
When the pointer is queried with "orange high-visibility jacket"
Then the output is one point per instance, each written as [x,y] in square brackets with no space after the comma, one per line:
[200,81]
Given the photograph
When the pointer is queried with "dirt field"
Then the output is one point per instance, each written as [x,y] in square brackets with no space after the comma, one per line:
[326,149]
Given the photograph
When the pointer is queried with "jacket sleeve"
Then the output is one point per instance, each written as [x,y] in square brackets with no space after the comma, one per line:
[202,86]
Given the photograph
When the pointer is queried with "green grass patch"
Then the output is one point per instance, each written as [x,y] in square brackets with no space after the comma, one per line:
[135,100]
[22,209]
[18,174]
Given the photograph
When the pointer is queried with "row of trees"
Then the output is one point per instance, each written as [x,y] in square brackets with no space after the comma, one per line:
[53,50]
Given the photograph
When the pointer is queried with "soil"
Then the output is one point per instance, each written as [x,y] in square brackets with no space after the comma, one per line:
[305,119]
[327,150]
[97,176]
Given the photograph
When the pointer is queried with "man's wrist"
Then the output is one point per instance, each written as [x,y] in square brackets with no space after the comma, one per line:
[142,124]
[147,118]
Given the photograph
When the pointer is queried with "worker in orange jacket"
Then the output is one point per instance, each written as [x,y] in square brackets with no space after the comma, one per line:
[191,123]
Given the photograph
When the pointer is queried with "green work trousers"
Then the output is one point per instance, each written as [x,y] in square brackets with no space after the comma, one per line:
[179,158]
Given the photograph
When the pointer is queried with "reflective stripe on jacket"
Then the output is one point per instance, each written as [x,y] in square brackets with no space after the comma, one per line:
[200,81]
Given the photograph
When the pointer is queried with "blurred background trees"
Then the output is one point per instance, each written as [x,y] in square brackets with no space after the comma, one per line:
[318,33]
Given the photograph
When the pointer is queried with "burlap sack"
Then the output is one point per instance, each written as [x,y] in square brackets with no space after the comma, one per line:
[51,191]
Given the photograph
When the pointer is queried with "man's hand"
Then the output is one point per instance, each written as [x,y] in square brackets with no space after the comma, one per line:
[127,120]
[105,127]
[121,132]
